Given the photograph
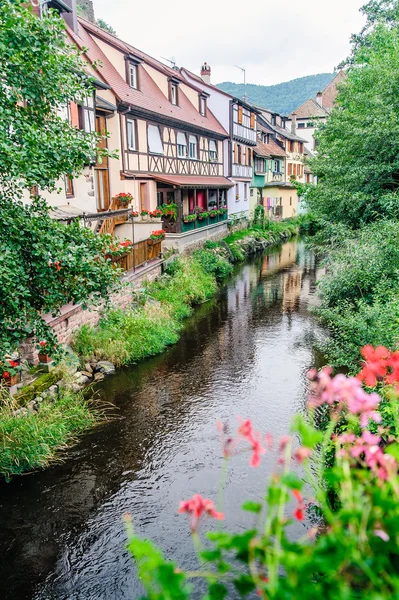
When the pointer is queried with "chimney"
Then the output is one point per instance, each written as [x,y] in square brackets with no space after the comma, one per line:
[319,98]
[293,123]
[71,18]
[206,73]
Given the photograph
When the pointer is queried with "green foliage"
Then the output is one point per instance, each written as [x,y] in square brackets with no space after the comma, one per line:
[282,97]
[104,25]
[357,164]
[44,264]
[359,292]
[127,336]
[33,440]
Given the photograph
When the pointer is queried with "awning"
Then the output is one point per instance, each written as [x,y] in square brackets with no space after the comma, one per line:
[193,181]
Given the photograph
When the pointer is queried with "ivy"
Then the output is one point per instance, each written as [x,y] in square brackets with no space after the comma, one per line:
[45,264]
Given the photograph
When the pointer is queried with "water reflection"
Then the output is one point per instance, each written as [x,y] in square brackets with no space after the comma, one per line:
[245,353]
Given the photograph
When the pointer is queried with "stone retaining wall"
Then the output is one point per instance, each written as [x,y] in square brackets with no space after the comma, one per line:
[73,316]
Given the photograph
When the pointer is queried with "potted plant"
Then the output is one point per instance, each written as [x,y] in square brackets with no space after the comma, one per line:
[189,218]
[156,236]
[169,211]
[203,215]
[213,214]
[135,214]
[123,199]
[44,349]
[9,370]
[144,214]
[155,214]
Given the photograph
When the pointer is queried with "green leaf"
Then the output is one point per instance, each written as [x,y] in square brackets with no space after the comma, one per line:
[292,481]
[250,506]
[309,435]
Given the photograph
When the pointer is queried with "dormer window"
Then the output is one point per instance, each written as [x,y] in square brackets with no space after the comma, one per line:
[202,106]
[273,119]
[213,152]
[173,93]
[133,76]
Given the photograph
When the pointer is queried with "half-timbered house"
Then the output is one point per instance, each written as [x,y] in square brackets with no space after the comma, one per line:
[171,144]
[240,121]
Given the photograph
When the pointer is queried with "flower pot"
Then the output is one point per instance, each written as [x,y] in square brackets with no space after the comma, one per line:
[10,381]
[44,358]
[144,217]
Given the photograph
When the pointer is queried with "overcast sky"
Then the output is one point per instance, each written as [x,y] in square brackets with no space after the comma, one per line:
[275,40]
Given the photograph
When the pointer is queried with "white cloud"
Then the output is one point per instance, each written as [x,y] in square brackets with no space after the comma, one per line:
[274,41]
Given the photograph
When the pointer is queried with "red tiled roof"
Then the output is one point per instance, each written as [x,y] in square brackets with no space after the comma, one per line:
[149,97]
[193,181]
[270,149]
[310,108]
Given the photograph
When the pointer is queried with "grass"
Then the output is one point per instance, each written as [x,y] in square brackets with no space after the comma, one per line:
[128,336]
[34,440]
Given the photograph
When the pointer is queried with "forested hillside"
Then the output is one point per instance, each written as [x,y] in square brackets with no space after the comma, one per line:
[283,97]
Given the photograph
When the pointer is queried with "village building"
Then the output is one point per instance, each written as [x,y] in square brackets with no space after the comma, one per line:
[310,115]
[239,118]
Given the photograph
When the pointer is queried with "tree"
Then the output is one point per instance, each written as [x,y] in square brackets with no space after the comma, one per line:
[377,12]
[104,25]
[44,263]
[358,153]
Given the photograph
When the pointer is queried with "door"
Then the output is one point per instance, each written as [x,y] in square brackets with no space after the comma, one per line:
[103,193]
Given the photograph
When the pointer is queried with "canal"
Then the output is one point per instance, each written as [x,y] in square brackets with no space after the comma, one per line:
[245,353]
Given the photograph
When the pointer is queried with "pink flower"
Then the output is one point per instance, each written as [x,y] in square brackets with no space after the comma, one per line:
[196,507]
[382,534]
[302,454]
[245,429]
[257,451]
[299,511]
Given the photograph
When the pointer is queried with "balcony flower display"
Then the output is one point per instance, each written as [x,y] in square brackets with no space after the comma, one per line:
[223,210]
[157,236]
[135,214]
[213,214]
[203,215]
[115,248]
[189,218]
[9,370]
[156,214]
[169,211]
[123,199]
[144,214]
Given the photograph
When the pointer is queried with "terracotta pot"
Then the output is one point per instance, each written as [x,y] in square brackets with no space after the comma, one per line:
[10,381]
[44,358]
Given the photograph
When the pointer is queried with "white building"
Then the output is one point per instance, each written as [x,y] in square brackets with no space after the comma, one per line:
[239,119]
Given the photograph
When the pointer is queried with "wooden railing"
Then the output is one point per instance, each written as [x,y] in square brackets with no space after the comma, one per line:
[142,253]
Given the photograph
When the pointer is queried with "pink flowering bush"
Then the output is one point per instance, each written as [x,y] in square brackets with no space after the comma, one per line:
[350,504]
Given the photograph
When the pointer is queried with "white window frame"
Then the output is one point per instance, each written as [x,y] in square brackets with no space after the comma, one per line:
[87,121]
[276,165]
[173,93]
[202,106]
[213,153]
[159,150]
[193,145]
[182,150]
[131,134]
[133,76]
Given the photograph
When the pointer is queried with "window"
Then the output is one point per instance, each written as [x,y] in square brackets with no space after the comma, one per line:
[283,123]
[86,115]
[239,154]
[237,192]
[291,146]
[133,76]
[265,138]
[301,125]
[273,119]
[193,143]
[155,144]
[259,165]
[251,191]
[245,191]
[181,145]
[249,157]
[315,144]
[300,147]
[173,93]
[276,166]
[131,135]
[290,200]
[69,186]
[202,106]
[289,169]
[213,152]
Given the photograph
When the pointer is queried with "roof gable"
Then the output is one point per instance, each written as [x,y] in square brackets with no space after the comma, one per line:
[310,108]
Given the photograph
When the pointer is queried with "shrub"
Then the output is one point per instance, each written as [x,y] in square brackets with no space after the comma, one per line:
[213,263]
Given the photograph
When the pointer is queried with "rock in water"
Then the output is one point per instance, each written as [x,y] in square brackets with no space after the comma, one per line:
[106,367]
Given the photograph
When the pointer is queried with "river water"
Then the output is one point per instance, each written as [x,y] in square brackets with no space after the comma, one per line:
[245,353]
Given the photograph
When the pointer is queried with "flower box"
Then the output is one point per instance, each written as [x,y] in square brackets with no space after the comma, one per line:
[44,358]
[10,381]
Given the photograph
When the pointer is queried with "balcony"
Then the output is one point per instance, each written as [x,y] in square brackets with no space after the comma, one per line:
[244,134]
[242,171]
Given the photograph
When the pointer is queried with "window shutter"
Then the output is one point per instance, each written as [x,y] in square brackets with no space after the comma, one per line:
[240,115]
[252,120]
[249,157]
[74,113]
[235,153]
[289,170]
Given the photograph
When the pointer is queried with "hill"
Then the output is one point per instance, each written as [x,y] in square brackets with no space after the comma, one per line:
[283,97]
